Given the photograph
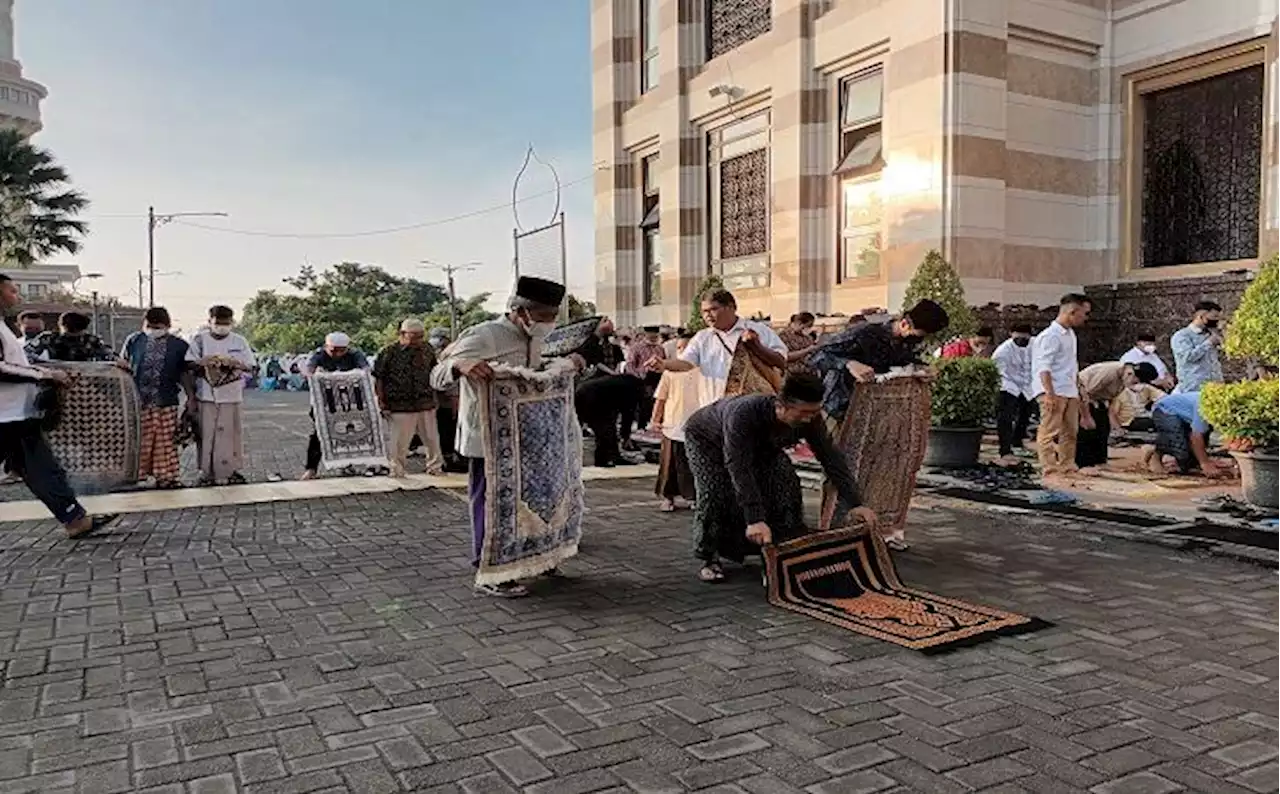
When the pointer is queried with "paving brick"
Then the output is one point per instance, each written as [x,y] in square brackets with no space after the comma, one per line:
[728,747]
[543,741]
[1246,753]
[854,758]
[259,765]
[521,767]
[1139,783]
[990,773]
[863,782]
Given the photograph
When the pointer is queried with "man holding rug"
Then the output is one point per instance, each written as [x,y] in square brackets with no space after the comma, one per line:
[402,374]
[24,450]
[336,355]
[220,358]
[158,361]
[514,339]
[748,490]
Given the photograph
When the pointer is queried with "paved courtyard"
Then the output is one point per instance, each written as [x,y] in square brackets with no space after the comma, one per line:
[335,645]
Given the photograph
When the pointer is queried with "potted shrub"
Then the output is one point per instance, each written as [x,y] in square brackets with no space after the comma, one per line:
[964,398]
[1245,413]
[938,281]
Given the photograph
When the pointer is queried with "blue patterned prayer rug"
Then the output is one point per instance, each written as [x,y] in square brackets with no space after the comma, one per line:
[533,474]
[847,578]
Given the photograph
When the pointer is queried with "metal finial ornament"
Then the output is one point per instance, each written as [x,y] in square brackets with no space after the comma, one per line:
[531,156]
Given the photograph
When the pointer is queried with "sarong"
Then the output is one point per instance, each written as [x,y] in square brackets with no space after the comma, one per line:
[348,422]
[159,454]
[220,448]
[748,375]
[719,527]
[533,502]
[98,439]
[675,478]
[883,437]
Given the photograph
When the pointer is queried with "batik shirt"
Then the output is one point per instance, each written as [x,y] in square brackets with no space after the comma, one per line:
[796,340]
[151,373]
[872,344]
[57,346]
[404,375]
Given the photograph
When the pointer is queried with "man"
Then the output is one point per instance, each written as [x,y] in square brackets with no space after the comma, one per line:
[859,353]
[158,361]
[1131,409]
[1013,411]
[606,357]
[403,385]
[32,325]
[748,490]
[977,345]
[799,338]
[1195,349]
[1144,352]
[220,358]
[1182,434]
[514,339]
[1100,385]
[71,342]
[24,450]
[644,348]
[335,355]
[713,348]
[446,412]
[1055,372]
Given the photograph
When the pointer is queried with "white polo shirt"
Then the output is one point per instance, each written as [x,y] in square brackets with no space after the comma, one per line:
[711,351]
[17,400]
[1054,351]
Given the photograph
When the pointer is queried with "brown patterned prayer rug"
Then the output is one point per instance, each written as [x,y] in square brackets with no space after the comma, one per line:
[883,437]
[846,577]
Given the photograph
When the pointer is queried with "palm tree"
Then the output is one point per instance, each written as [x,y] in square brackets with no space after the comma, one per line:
[38,208]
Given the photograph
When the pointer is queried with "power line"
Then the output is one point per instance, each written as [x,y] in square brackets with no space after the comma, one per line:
[376,232]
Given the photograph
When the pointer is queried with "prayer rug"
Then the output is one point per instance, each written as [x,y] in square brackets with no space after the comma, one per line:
[749,375]
[569,337]
[883,436]
[98,439]
[846,577]
[533,474]
[348,422]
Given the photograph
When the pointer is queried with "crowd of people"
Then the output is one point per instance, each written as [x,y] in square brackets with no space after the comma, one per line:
[728,401]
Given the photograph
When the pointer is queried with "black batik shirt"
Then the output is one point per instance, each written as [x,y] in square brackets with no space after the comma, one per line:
[744,433]
[404,372]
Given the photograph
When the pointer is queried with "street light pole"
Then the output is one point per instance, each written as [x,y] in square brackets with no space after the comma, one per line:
[449,270]
[154,220]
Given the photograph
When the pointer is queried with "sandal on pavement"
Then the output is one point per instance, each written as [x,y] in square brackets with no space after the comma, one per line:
[504,590]
[95,524]
[711,573]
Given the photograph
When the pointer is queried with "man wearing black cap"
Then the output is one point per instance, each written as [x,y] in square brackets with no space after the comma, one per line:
[860,352]
[514,339]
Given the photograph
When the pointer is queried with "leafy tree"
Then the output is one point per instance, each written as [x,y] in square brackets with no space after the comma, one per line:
[1254,328]
[38,208]
[580,309]
[471,311]
[711,282]
[937,280]
[363,301]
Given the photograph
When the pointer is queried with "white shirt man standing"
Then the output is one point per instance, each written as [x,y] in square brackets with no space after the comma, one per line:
[1055,372]
[1144,352]
[1013,359]
[221,357]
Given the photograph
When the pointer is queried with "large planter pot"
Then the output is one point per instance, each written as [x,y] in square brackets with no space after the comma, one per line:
[953,447]
[1258,479]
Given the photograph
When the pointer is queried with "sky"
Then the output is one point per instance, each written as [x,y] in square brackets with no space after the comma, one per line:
[312,118]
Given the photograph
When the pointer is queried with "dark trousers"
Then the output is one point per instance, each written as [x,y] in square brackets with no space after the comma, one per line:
[314,455]
[26,453]
[1012,414]
[604,427]
[1091,445]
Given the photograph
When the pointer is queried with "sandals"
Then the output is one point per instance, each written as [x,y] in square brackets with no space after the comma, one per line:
[95,524]
[711,573]
[504,590]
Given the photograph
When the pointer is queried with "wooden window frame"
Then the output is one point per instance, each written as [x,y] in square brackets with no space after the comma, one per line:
[650,234]
[871,125]
[1255,52]
[648,45]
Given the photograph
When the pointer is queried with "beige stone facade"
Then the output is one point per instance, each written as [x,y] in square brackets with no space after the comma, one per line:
[813,151]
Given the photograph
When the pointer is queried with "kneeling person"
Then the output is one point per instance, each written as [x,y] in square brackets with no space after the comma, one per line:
[748,490]
[1182,434]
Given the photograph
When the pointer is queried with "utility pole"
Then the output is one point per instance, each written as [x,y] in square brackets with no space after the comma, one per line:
[449,270]
[141,303]
[95,314]
[154,220]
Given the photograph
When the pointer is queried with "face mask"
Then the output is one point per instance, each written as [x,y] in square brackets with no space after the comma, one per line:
[1022,341]
[1147,348]
[157,333]
[220,330]
[540,330]
[1210,324]
[30,334]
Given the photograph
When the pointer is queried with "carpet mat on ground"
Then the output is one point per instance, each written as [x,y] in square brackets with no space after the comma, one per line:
[847,578]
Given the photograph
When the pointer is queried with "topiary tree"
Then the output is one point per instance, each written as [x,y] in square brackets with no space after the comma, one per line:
[695,317]
[937,280]
[1255,326]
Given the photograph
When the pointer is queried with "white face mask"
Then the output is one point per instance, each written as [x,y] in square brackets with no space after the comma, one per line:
[157,333]
[539,330]
[220,330]
[1147,348]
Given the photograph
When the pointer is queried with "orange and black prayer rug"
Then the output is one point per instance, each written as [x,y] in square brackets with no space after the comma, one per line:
[846,577]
